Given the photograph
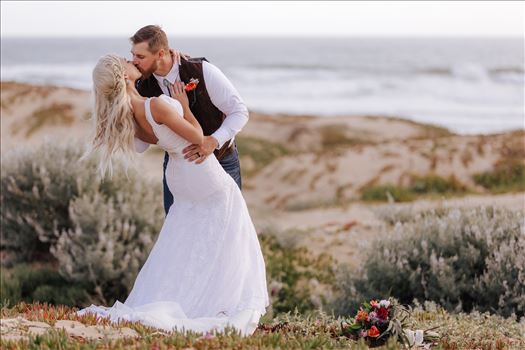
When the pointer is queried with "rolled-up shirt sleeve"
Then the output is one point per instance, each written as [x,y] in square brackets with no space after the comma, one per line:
[227,99]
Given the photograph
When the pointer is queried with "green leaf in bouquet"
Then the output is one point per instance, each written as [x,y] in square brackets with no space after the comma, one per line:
[356,326]
[344,329]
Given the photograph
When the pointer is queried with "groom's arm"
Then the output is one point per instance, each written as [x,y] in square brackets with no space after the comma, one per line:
[227,99]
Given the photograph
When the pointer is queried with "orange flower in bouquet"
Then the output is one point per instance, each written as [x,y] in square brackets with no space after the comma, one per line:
[362,315]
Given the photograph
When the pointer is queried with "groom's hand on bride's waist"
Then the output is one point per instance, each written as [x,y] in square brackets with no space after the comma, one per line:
[199,153]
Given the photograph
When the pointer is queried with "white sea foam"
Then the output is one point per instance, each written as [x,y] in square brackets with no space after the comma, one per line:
[467,85]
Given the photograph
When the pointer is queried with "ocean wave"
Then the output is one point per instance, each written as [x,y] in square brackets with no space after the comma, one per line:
[461,88]
[294,66]
[303,71]
[473,71]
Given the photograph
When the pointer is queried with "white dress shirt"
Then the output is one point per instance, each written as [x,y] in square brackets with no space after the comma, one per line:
[222,94]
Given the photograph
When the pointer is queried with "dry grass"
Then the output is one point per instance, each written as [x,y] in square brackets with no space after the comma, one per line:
[57,114]
[336,136]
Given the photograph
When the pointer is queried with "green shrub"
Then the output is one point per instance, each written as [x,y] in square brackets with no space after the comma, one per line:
[109,241]
[294,276]
[387,192]
[419,185]
[29,284]
[436,184]
[56,209]
[506,176]
[462,258]
[36,189]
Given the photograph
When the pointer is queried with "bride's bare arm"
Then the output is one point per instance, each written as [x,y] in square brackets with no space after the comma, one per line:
[187,127]
[143,136]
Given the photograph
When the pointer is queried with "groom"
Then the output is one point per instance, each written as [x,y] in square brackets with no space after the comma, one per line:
[215,102]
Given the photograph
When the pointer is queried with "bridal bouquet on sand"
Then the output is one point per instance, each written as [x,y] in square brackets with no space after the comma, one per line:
[376,321]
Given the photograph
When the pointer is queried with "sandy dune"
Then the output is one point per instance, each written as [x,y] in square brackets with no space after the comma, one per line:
[313,183]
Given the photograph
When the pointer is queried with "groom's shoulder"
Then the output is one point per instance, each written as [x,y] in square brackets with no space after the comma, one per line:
[196,59]
[200,63]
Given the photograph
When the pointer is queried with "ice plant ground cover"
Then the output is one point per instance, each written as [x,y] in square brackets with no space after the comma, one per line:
[285,331]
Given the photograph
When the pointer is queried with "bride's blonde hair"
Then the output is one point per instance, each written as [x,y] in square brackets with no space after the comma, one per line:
[112,113]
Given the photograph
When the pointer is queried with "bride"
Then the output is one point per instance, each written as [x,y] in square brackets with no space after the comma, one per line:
[206,270]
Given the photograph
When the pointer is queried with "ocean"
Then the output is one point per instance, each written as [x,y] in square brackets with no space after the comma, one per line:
[469,85]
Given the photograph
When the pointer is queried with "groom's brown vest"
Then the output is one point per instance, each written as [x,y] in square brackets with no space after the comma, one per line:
[210,117]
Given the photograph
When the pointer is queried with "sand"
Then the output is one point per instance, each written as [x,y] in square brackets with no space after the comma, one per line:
[20,328]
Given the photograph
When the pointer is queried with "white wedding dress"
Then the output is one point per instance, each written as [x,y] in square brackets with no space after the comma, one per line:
[206,270]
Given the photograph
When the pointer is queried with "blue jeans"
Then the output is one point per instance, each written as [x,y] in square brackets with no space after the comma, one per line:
[230,164]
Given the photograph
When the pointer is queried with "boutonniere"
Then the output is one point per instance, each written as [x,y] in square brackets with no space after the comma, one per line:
[192,85]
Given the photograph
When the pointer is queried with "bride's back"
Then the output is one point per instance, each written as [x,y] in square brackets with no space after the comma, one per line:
[168,140]
[186,179]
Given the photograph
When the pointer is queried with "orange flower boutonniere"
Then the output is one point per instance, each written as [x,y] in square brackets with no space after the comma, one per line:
[192,85]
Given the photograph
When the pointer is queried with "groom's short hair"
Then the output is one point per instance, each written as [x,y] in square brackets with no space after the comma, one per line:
[153,35]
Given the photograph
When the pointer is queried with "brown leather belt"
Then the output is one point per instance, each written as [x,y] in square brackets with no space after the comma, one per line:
[224,150]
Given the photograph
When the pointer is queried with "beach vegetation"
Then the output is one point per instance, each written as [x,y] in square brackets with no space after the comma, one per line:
[464,259]
[256,153]
[428,185]
[506,176]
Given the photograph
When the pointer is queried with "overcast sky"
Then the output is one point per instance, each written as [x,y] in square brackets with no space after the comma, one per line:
[230,18]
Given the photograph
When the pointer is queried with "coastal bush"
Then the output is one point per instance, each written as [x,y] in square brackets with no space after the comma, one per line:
[37,186]
[56,209]
[419,185]
[295,276]
[45,284]
[108,241]
[506,176]
[464,259]
[436,184]
[394,213]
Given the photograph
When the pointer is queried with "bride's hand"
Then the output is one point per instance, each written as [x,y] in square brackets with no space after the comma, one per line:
[177,92]
[176,55]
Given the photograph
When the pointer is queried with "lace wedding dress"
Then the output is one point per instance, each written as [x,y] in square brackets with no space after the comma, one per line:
[206,270]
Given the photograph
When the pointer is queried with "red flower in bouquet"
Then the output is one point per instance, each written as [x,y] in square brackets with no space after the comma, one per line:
[373,332]
[192,85]
[382,313]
